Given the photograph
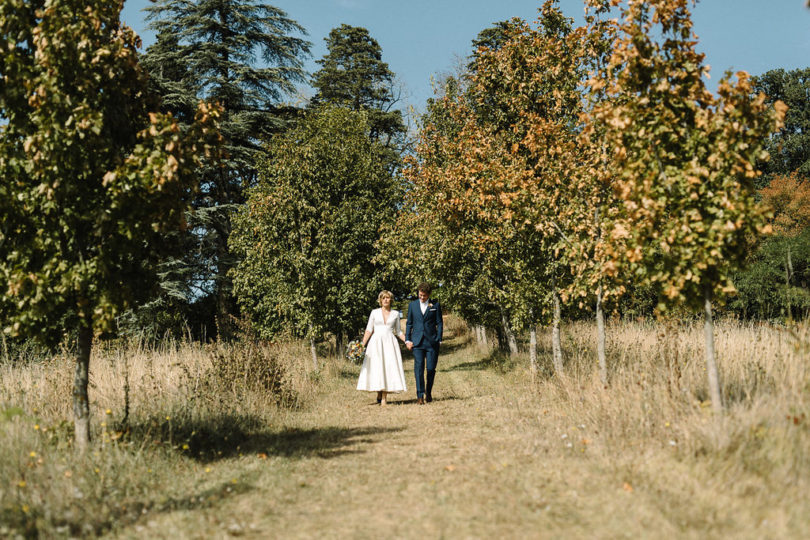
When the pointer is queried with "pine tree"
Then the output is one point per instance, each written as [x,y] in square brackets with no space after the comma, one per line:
[354,75]
[241,54]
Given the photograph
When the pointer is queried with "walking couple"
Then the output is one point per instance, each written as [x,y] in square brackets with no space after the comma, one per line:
[382,366]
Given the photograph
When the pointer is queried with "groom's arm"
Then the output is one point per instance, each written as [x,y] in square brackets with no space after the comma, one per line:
[439,322]
[409,324]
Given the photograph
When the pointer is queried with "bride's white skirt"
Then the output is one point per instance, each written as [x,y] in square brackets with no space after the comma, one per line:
[382,365]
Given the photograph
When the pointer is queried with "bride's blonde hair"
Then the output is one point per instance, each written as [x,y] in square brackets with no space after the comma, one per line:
[383,294]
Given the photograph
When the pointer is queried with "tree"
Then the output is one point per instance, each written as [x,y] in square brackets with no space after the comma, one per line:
[531,86]
[595,206]
[789,148]
[684,162]
[442,235]
[526,93]
[307,233]
[170,77]
[789,199]
[241,54]
[92,180]
[354,75]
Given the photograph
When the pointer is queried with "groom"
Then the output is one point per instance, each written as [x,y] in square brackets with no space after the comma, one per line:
[423,335]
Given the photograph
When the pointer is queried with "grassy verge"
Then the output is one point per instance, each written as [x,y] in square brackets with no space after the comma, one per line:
[160,417]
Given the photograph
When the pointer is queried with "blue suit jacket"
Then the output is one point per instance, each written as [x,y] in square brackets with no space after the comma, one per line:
[424,330]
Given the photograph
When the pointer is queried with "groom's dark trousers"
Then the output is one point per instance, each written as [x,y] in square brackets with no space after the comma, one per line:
[425,332]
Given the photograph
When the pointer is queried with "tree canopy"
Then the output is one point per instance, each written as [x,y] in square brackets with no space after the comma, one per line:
[306,236]
[789,148]
[92,178]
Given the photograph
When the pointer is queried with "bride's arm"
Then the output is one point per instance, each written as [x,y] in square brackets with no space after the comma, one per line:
[369,329]
[401,335]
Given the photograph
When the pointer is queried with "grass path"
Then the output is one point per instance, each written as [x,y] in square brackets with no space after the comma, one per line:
[481,461]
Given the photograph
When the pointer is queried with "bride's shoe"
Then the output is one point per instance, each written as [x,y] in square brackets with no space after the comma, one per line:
[379,397]
[383,401]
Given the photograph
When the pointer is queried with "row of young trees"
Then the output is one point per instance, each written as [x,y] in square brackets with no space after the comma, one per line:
[572,164]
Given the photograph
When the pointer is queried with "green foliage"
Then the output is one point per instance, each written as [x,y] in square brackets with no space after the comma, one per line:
[789,148]
[306,236]
[683,158]
[243,55]
[91,182]
[773,285]
[490,174]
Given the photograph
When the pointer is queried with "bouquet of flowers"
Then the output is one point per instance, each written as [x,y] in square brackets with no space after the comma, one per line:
[355,352]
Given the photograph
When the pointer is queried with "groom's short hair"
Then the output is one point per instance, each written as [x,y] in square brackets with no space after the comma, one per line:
[424,287]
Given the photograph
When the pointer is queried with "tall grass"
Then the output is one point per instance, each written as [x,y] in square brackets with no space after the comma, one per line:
[159,414]
[653,427]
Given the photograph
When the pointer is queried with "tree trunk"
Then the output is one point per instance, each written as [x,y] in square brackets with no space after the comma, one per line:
[711,363]
[789,267]
[533,349]
[312,349]
[223,315]
[556,347]
[788,279]
[339,344]
[507,331]
[81,402]
[481,334]
[600,338]
[5,347]
[314,353]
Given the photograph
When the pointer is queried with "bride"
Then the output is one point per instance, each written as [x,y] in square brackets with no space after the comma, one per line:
[382,366]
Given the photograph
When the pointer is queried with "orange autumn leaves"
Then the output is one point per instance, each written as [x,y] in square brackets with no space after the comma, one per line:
[789,199]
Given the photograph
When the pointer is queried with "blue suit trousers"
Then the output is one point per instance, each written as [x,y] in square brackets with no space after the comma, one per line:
[424,357]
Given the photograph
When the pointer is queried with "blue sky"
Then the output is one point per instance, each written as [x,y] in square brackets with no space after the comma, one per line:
[423,38]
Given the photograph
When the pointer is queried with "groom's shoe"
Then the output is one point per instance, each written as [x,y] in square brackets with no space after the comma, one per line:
[428,398]
[420,401]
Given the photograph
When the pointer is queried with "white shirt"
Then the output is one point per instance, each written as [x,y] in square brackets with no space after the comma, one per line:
[423,305]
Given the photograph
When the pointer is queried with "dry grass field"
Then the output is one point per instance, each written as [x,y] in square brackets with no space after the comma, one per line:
[210,442]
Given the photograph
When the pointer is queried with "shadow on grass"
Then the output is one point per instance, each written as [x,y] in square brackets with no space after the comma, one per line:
[495,360]
[453,346]
[226,436]
[412,401]
[207,442]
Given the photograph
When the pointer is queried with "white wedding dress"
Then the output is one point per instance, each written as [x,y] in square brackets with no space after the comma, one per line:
[382,365]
